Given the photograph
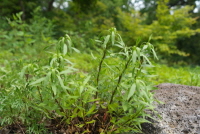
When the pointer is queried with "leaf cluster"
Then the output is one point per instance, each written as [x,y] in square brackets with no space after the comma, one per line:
[111,98]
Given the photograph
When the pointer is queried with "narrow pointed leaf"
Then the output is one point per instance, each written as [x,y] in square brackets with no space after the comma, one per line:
[134,57]
[106,40]
[86,80]
[154,54]
[146,59]
[131,91]
[61,82]
[53,87]
[113,38]
[38,81]
[64,49]
[92,110]
[76,50]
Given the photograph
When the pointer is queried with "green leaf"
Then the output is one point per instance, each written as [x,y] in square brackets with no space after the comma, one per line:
[125,105]
[150,38]
[18,15]
[117,45]
[61,44]
[86,80]
[64,49]
[106,41]
[81,89]
[81,113]
[73,97]
[113,106]
[93,100]
[93,56]
[69,70]
[84,83]
[131,91]
[60,113]
[68,61]
[61,82]
[80,125]
[92,121]
[76,50]
[69,43]
[53,75]
[20,33]
[145,47]
[53,87]
[146,58]
[38,81]
[98,41]
[122,43]
[138,51]
[113,37]
[74,114]
[53,60]
[134,56]
[154,54]
[22,73]
[92,110]
[109,67]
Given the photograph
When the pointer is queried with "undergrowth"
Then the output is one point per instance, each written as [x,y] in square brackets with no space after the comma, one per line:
[177,75]
[56,97]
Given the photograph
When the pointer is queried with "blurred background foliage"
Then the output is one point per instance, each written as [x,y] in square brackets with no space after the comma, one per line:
[173,24]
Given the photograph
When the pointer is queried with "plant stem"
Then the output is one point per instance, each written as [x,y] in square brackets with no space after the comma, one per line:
[140,68]
[135,115]
[119,79]
[40,94]
[61,108]
[11,109]
[98,74]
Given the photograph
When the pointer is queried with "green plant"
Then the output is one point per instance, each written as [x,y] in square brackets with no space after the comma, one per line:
[19,36]
[56,97]
[122,82]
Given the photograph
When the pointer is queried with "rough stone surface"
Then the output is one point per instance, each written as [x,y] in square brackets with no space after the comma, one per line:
[180,112]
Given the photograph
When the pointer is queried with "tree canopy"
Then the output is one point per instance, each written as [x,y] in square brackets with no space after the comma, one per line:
[173,24]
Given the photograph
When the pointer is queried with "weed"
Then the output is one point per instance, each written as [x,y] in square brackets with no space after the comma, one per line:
[57,98]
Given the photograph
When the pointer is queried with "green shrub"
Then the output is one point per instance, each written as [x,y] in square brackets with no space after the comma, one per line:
[57,97]
[18,36]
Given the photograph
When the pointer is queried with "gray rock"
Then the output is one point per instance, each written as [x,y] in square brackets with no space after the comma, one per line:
[180,112]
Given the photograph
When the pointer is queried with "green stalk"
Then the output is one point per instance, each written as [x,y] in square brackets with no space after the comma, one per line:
[40,94]
[11,109]
[119,79]
[140,68]
[135,115]
[98,74]
[136,74]
[61,108]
